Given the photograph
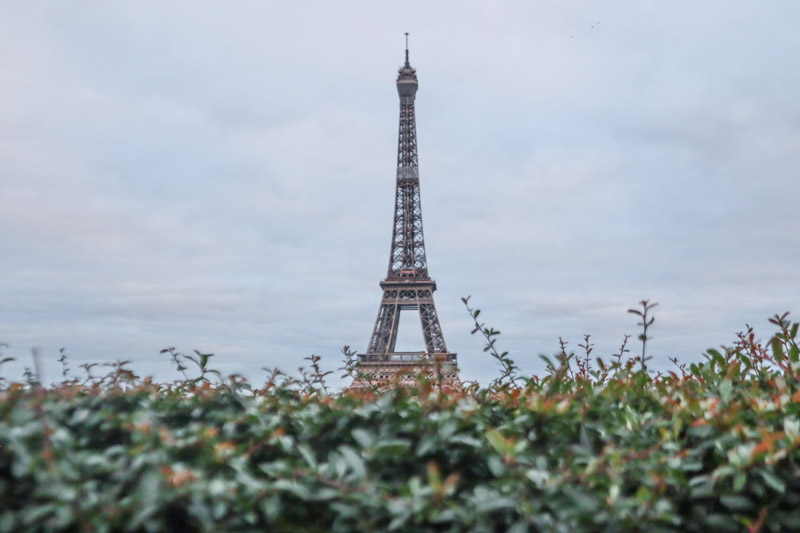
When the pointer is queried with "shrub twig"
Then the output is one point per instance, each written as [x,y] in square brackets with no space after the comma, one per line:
[646,322]
[508,369]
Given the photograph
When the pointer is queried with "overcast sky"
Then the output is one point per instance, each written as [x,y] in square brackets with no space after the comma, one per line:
[220,175]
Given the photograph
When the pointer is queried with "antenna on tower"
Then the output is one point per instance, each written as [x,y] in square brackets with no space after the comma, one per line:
[407,49]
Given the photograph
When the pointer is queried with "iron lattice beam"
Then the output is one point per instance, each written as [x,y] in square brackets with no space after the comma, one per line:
[407,285]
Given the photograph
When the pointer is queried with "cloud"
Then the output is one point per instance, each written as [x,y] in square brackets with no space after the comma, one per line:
[221,177]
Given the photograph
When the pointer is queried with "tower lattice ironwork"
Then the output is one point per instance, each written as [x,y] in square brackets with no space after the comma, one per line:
[407,286]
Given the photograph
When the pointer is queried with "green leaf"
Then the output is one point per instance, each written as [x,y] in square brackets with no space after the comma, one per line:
[538,477]
[722,522]
[466,440]
[716,357]
[586,502]
[498,442]
[777,348]
[324,494]
[307,454]
[448,515]
[736,503]
[426,444]
[519,527]
[773,481]
[490,500]
[394,447]
[271,507]
[496,466]
[725,390]
[739,481]
[399,521]
[364,438]
[354,461]
[701,487]
[293,487]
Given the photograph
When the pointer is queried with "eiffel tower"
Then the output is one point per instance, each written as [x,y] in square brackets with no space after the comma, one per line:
[407,285]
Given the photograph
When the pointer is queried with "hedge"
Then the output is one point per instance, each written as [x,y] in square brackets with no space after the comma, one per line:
[592,446]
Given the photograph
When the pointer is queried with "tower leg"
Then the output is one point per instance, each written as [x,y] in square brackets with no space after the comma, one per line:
[431,329]
[384,334]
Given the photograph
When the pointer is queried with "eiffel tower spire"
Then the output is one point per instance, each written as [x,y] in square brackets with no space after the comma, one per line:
[407,285]
[408,246]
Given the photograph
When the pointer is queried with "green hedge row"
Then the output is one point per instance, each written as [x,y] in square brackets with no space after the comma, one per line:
[711,447]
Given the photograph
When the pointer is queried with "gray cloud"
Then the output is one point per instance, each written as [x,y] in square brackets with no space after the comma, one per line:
[221,177]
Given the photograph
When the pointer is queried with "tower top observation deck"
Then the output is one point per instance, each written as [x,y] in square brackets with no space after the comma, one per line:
[407,83]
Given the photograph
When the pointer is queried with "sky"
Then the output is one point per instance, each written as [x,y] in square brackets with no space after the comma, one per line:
[220,176]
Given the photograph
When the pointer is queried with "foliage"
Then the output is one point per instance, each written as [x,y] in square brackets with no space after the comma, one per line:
[711,447]
[508,370]
[645,323]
